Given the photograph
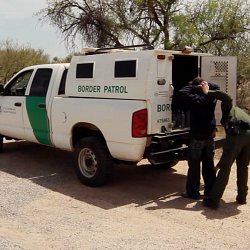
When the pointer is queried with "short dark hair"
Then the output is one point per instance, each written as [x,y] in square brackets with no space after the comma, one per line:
[197,81]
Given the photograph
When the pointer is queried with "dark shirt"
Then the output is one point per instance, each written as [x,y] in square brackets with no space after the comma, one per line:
[201,106]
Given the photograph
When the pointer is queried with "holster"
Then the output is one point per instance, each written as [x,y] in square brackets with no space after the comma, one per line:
[232,127]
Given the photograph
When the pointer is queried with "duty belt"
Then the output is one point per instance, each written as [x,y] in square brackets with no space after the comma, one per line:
[244,126]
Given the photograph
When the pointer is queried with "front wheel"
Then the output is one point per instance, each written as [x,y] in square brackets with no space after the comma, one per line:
[93,162]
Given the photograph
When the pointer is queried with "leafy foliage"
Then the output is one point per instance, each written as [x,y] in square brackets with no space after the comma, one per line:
[218,26]
[108,23]
[14,57]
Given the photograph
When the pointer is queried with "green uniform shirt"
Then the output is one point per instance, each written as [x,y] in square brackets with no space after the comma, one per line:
[229,112]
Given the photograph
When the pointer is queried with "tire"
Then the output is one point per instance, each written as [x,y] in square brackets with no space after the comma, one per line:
[165,166]
[93,162]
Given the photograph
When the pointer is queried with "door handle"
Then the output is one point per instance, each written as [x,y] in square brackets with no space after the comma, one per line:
[42,105]
[171,89]
[18,104]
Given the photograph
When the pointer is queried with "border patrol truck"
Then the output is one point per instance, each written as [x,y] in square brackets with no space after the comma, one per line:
[110,105]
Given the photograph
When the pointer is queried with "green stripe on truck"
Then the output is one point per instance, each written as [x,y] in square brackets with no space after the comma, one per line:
[37,113]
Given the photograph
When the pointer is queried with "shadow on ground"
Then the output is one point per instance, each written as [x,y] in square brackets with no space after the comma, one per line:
[141,184]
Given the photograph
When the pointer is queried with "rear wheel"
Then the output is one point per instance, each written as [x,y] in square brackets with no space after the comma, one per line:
[93,162]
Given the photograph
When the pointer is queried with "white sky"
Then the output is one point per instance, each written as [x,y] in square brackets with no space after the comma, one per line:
[19,23]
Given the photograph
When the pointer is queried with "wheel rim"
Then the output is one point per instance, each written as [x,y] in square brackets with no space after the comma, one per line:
[87,162]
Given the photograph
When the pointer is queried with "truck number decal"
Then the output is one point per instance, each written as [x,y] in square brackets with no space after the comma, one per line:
[163,120]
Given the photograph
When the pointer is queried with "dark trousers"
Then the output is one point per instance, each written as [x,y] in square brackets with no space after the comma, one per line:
[236,147]
[200,152]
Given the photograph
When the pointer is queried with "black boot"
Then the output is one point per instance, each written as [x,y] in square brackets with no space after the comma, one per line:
[208,202]
[241,200]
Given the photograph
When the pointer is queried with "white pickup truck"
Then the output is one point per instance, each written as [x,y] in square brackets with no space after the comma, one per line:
[109,105]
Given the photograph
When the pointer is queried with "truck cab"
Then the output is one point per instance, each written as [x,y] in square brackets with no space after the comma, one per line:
[25,102]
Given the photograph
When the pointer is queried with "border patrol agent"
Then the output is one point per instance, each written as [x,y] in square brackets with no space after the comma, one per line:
[236,147]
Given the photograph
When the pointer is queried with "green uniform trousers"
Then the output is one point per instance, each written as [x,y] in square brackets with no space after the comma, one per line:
[236,147]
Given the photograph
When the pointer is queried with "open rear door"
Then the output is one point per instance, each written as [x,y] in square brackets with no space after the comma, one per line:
[221,70]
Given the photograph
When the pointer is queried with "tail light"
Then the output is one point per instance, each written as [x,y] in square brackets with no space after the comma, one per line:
[140,123]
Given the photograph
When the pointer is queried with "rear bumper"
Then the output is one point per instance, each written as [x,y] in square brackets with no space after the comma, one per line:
[167,148]
[173,148]
[168,155]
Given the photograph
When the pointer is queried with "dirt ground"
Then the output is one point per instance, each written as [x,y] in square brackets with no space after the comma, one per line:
[44,206]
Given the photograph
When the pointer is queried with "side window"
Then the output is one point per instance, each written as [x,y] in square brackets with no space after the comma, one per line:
[18,85]
[40,82]
[84,70]
[125,68]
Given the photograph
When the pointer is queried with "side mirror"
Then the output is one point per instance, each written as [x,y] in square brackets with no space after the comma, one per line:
[1,89]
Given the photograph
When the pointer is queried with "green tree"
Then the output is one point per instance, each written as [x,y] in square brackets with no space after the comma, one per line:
[218,26]
[113,23]
[14,57]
